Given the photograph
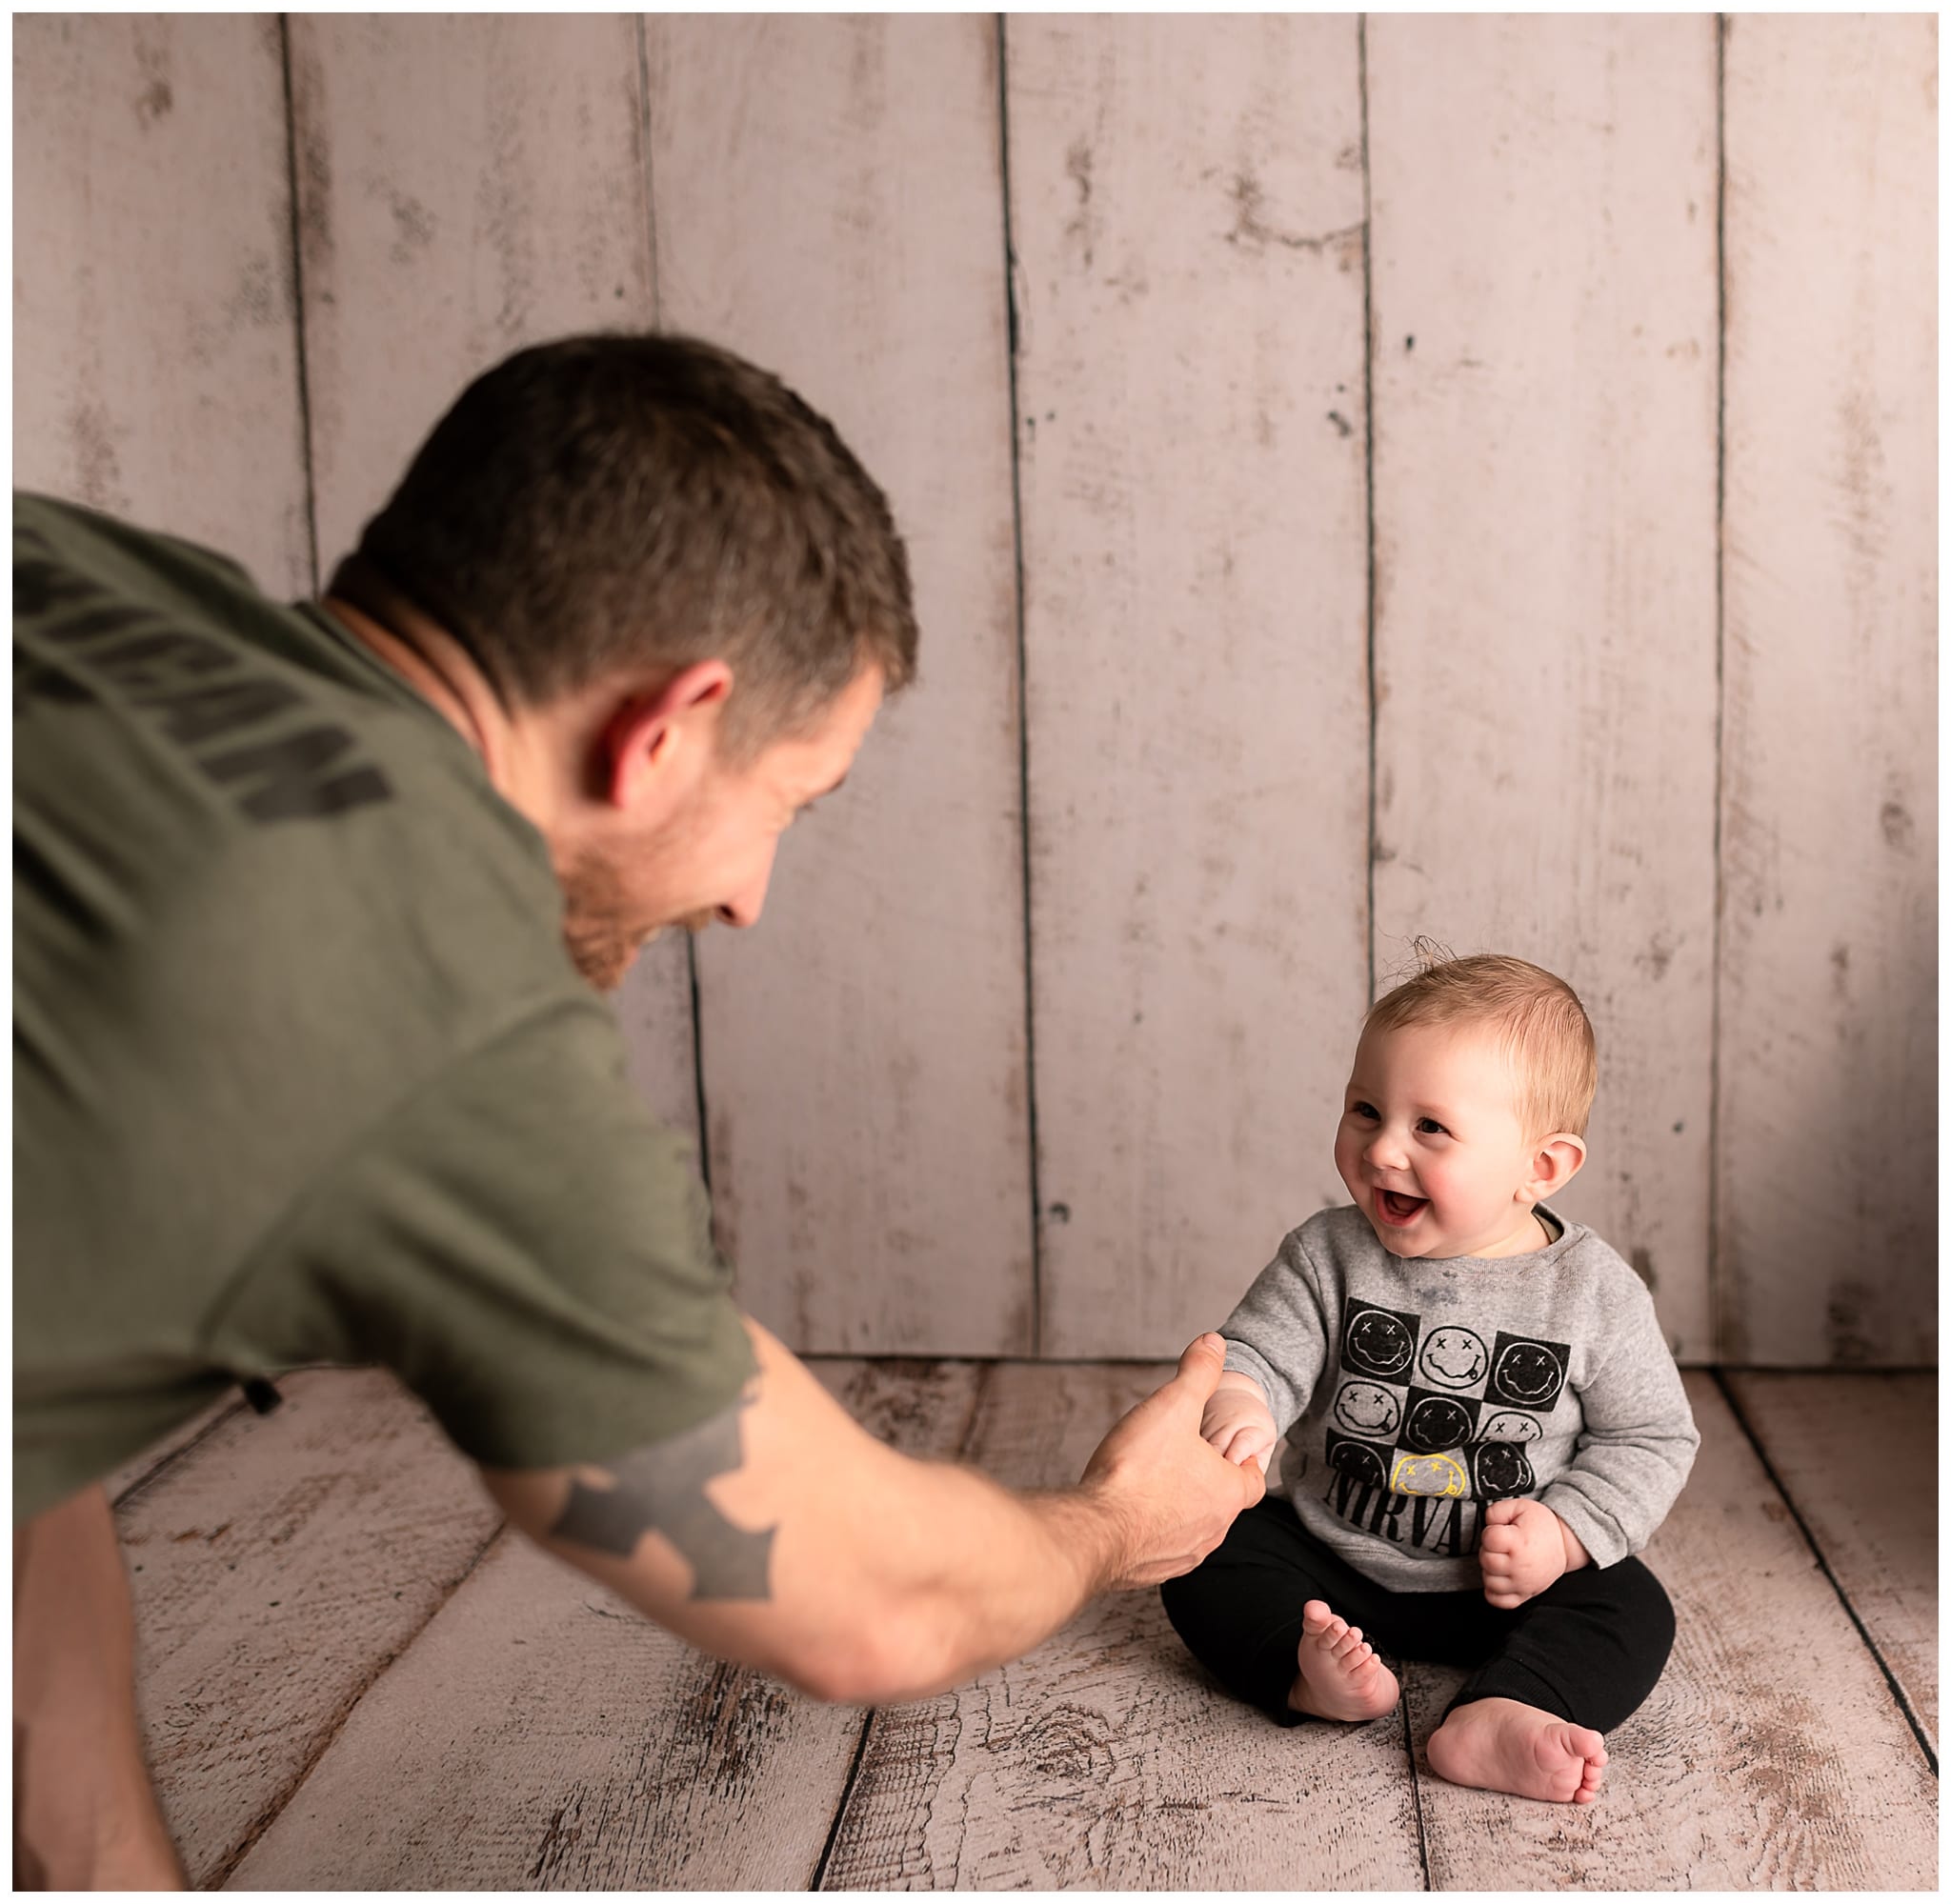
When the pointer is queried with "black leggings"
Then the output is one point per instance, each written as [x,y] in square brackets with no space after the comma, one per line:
[1589,1647]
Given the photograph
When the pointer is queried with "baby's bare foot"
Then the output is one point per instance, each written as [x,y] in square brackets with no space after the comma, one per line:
[1339,1677]
[1501,1745]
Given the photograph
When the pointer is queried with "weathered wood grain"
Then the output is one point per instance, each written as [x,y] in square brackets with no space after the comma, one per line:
[542,1735]
[1770,1756]
[827,202]
[1107,1759]
[469,185]
[1186,214]
[154,336]
[1546,343]
[168,1448]
[1857,1457]
[276,1569]
[1827,1206]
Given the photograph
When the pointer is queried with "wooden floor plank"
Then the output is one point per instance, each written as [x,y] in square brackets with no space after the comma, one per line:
[540,1736]
[1770,1756]
[1107,1759]
[276,1569]
[145,1467]
[1858,1456]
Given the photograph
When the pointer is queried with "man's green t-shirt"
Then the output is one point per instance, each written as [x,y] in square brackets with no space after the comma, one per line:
[303,1072]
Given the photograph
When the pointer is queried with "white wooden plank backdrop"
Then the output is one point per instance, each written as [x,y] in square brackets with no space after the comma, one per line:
[155,353]
[1186,212]
[1827,1205]
[1544,387]
[468,185]
[1189,391]
[865,1061]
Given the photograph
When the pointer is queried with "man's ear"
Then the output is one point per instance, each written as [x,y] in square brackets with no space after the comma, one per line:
[648,736]
[1554,1163]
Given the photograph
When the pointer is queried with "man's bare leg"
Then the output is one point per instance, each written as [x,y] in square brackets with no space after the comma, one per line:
[85,1817]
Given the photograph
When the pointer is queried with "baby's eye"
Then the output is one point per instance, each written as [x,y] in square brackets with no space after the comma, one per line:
[1428,1127]
[1361,1110]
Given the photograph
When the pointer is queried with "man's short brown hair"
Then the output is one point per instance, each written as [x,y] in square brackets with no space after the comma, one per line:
[1535,1015]
[628,500]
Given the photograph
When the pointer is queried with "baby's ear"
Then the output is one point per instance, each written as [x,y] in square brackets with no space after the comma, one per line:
[1558,1159]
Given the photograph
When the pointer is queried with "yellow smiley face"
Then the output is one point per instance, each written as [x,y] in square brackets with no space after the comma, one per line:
[1440,1475]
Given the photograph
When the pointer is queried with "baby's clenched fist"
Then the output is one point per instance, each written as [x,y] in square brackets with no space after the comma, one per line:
[1239,1422]
[1524,1548]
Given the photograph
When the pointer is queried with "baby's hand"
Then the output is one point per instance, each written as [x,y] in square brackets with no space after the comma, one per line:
[1239,1422]
[1524,1548]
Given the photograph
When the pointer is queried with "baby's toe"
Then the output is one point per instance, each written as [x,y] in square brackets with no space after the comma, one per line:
[1317,1617]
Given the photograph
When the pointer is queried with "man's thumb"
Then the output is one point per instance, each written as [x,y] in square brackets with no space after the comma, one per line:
[1202,1364]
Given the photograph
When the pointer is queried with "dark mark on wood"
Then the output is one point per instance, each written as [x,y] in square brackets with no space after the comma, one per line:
[414,227]
[1249,227]
[548,1853]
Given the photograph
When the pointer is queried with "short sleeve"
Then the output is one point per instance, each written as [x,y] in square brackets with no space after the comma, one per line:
[525,1247]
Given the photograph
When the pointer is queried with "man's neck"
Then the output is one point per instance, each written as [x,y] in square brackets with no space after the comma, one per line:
[446,676]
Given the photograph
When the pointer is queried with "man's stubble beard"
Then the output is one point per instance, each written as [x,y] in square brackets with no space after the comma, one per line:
[602,939]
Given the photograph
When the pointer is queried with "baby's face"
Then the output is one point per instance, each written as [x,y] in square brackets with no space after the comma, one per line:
[1431,1145]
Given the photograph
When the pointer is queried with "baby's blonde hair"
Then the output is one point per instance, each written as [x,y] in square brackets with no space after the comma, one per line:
[1537,1015]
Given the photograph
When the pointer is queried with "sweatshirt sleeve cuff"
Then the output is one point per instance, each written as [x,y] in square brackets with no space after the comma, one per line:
[1241,1360]
[1602,1541]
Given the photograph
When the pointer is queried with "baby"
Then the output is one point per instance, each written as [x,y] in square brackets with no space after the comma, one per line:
[1482,1418]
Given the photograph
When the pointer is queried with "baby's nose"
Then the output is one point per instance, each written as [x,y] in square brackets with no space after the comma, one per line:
[1385,1152]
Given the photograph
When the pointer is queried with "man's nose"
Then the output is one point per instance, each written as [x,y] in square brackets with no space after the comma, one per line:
[743,907]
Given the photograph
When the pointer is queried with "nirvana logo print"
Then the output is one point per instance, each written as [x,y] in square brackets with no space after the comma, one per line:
[1427,1427]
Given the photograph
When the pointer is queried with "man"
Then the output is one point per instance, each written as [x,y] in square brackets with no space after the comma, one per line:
[312,906]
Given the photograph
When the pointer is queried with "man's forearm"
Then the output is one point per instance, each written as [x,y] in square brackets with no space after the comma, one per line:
[779,1532]
[987,1573]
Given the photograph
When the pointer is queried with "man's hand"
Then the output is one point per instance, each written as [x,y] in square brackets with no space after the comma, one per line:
[1239,1422]
[1172,1493]
[1524,1548]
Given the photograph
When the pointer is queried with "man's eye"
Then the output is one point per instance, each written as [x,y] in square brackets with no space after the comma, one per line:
[1428,1127]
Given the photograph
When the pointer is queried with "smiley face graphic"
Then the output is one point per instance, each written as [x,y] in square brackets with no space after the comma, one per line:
[1376,1343]
[1440,1475]
[1367,1408]
[1502,1470]
[1435,1423]
[1453,1359]
[1511,1425]
[1528,1372]
[1358,1461]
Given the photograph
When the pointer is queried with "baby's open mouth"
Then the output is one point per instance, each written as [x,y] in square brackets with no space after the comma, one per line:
[1399,1208]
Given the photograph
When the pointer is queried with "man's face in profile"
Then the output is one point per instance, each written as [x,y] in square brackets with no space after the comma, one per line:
[708,858]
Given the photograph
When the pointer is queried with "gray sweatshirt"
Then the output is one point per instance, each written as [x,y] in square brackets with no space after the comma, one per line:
[1415,1392]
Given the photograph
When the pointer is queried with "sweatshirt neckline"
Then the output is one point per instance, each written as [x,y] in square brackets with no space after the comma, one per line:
[1568,1233]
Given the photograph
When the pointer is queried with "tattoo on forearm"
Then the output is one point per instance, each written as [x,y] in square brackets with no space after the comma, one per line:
[662,1488]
